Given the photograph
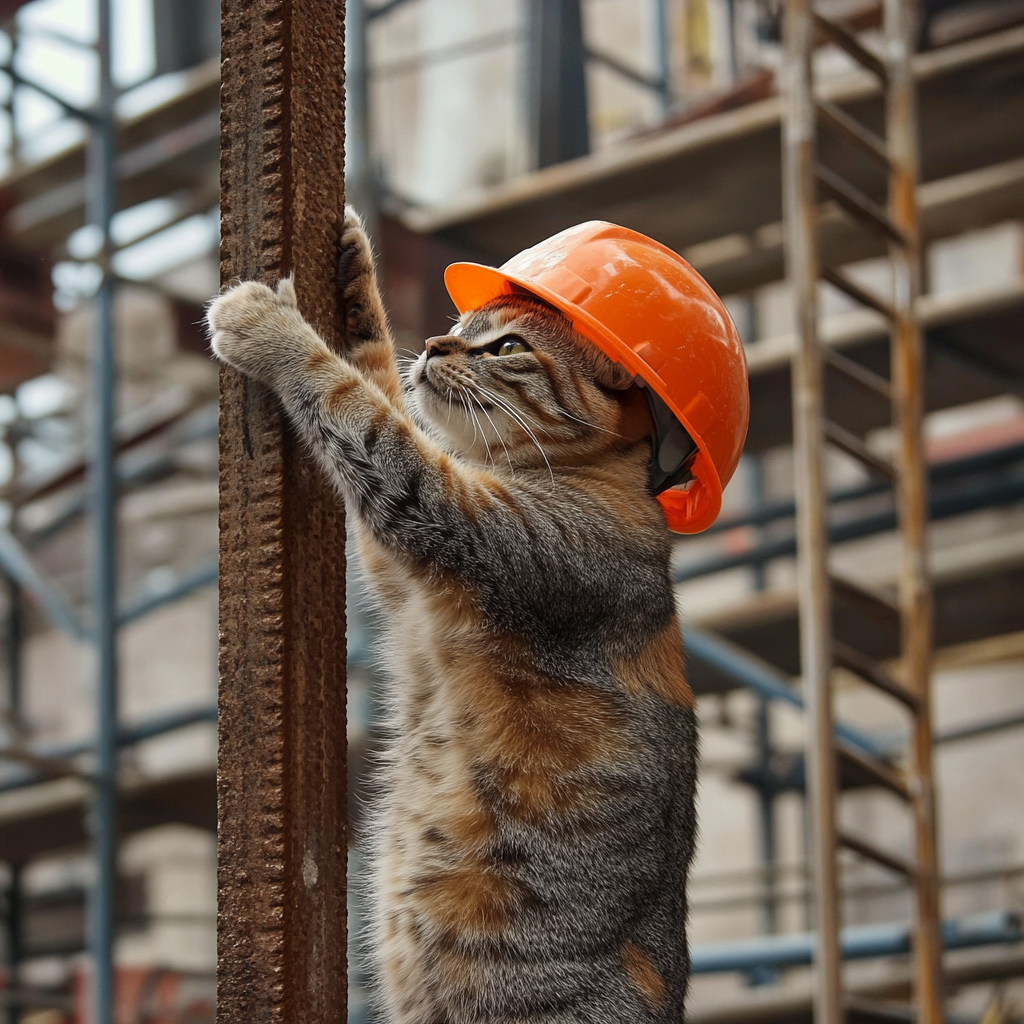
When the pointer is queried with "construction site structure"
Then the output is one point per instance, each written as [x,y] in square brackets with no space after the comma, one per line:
[873,137]
[804,179]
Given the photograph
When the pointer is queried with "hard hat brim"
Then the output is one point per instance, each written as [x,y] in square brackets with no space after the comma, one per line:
[472,285]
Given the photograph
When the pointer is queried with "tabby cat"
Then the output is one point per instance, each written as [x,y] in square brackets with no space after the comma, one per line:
[536,822]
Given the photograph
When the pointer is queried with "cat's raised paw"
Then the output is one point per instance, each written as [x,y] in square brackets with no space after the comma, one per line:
[250,323]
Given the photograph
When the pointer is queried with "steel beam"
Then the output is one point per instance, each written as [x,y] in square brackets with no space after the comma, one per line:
[556,82]
[101,200]
[764,679]
[941,506]
[19,568]
[281,770]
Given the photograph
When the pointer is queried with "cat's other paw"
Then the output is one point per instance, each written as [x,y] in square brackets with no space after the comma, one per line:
[357,281]
[254,327]
[355,255]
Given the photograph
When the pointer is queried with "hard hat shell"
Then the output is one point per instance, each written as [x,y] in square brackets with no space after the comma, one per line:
[645,307]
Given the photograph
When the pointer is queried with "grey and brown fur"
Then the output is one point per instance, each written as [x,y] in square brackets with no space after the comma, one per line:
[536,823]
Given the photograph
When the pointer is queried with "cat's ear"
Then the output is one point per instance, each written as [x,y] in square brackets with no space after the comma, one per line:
[613,375]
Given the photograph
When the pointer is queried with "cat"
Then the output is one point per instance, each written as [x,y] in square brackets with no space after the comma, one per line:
[536,820]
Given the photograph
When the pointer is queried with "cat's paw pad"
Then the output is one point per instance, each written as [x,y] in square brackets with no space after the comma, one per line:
[249,318]
[355,255]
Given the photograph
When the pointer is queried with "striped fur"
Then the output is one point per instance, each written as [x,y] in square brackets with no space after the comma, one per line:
[536,819]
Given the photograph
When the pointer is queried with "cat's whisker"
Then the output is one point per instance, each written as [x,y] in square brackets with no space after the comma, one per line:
[587,423]
[497,434]
[465,398]
[483,435]
[465,406]
[503,403]
[510,411]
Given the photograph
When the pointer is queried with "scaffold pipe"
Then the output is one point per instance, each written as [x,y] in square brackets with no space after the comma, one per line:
[860,942]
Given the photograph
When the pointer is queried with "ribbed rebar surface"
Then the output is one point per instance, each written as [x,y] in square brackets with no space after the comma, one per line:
[281,774]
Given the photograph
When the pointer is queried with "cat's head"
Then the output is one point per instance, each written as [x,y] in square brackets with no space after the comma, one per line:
[515,385]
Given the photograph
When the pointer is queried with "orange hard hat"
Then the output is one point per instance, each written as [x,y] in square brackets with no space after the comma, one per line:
[645,307]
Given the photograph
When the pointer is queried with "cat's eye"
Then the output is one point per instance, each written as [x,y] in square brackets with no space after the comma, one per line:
[512,348]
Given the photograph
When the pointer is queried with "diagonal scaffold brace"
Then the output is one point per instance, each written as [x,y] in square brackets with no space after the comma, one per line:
[281,930]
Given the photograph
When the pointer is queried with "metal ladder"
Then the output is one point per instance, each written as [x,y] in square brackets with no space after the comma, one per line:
[805,183]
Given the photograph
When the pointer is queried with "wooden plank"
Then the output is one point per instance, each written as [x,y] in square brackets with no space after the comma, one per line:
[281,771]
[799,200]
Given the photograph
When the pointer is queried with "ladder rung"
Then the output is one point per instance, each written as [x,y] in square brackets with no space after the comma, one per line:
[876,605]
[872,672]
[870,1011]
[850,287]
[846,40]
[857,373]
[870,852]
[857,204]
[879,772]
[854,446]
[852,129]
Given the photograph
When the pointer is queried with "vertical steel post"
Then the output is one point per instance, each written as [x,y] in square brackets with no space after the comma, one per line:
[103,824]
[800,205]
[12,649]
[766,792]
[359,183]
[281,763]
[766,806]
[556,81]
[15,950]
[663,45]
[13,923]
[907,370]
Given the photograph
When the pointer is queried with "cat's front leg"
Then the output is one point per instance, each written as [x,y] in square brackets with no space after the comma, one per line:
[368,342]
[407,491]
[260,331]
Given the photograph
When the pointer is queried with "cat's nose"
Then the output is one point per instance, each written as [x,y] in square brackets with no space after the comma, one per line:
[439,346]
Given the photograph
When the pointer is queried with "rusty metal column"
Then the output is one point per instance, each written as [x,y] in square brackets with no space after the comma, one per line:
[907,361]
[281,773]
[801,205]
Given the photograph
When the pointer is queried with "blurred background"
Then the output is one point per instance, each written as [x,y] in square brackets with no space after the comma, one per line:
[476,128]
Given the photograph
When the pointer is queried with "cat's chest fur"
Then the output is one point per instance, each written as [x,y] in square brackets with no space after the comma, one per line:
[541,750]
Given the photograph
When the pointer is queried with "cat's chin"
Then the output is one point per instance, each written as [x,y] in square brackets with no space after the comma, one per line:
[439,429]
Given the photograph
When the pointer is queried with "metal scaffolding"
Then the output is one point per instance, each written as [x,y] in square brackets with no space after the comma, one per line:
[805,179]
[729,166]
[106,615]
[101,204]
